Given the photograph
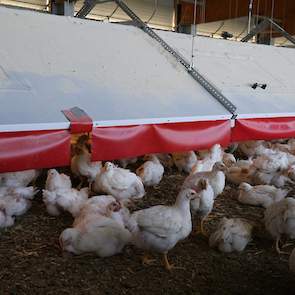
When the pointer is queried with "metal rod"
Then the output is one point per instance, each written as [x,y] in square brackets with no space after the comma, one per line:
[250,15]
[194,32]
[154,12]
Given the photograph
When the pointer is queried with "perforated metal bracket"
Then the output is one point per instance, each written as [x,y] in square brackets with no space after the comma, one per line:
[227,104]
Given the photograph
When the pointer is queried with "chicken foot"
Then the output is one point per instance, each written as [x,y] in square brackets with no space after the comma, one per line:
[200,229]
[279,251]
[167,264]
[147,260]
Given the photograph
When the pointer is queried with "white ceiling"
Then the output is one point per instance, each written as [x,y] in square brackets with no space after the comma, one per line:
[158,12]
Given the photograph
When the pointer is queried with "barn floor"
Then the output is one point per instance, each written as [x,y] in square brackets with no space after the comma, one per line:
[32,263]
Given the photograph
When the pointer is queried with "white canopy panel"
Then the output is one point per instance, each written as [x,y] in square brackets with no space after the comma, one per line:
[234,66]
[116,73]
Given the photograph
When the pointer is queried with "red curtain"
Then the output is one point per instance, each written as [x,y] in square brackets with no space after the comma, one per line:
[109,143]
[34,149]
[263,128]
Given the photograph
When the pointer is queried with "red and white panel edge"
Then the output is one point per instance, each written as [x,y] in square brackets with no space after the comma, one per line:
[51,148]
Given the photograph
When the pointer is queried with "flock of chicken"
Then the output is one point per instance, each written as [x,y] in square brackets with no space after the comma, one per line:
[104,225]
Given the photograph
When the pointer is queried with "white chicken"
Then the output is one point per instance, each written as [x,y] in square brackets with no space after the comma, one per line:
[24,192]
[14,202]
[103,235]
[203,203]
[281,179]
[165,159]
[5,220]
[261,177]
[238,175]
[15,205]
[228,159]
[151,171]
[56,181]
[98,205]
[184,161]
[272,162]
[82,166]
[252,147]
[70,200]
[215,154]
[19,178]
[216,179]
[284,158]
[279,219]
[260,195]
[159,228]
[119,182]
[125,162]
[231,235]
[278,179]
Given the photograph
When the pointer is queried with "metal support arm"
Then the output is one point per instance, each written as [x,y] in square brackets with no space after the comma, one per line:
[263,25]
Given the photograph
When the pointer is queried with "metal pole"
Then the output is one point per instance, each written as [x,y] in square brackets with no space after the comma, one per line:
[194,33]
[250,15]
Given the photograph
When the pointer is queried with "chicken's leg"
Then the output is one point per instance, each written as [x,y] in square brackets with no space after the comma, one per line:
[146,260]
[167,265]
[200,229]
[278,245]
